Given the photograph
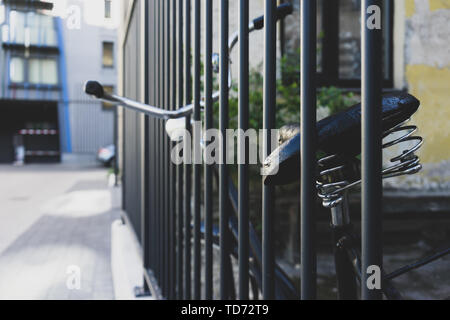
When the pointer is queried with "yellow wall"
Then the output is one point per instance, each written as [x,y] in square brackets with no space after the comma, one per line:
[409,8]
[432,87]
[434,5]
[439,4]
[429,80]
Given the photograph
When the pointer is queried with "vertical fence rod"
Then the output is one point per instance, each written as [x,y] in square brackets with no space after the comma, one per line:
[308,148]
[147,192]
[167,143]
[197,167]
[166,189]
[223,169]
[270,29]
[282,34]
[243,176]
[208,168]
[161,159]
[154,140]
[187,167]
[371,144]
[180,173]
[149,137]
[173,168]
[158,143]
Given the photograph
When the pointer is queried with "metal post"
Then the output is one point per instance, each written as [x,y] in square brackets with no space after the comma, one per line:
[208,168]
[158,144]
[270,56]
[223,169]
[173,168]
[372,253]
[161,148]
[281,34]
[146,193]
[330,42]
[180,172]
[166,155]
[153,140]
[197,167]
[308,148]
[187,167]
[243,196]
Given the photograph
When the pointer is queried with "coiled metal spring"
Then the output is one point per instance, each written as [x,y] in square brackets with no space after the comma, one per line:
[338,174]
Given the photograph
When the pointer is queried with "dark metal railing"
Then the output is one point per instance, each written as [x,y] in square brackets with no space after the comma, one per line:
[179,231]
[187,166]
[371,148]
[243,171]
[308,152]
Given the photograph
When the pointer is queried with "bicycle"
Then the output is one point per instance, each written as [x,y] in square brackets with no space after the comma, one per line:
[340,172]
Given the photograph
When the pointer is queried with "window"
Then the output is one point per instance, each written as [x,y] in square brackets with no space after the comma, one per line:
[2,13]
[5,33]
[43,71]
[105,105]
[108,54]
[17,26]
[107,9]
[47,30]
[17,70]
[32,29]
[340,43]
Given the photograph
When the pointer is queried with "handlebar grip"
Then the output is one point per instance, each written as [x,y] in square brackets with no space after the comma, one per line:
[95,89]
[282,12]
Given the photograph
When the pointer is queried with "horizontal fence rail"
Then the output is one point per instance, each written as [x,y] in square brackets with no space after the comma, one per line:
[193,218]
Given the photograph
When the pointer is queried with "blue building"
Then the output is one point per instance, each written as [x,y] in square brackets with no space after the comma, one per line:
[45,59]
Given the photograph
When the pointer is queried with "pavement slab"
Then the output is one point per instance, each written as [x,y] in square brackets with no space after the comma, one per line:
[55,235]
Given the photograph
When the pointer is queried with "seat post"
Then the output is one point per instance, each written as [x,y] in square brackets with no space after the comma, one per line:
[340,215]
[340,227]
[331,184]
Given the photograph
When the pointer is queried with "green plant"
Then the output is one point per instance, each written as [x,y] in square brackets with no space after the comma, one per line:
[288,96]
[288,88]
[335,99]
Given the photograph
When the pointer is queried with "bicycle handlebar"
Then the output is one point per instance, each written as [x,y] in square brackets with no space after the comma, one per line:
[95,89]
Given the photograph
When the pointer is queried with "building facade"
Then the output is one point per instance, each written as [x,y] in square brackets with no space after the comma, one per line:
[48,50]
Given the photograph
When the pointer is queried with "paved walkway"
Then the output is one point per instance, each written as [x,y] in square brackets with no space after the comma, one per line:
[55,230]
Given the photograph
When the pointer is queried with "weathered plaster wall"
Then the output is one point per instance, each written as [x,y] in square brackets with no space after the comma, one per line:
[427,76]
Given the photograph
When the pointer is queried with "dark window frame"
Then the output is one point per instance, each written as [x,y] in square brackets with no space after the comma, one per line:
[108,9]
[329,75]
[112,53]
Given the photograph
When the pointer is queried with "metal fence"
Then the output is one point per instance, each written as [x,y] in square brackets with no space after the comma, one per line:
[171,207]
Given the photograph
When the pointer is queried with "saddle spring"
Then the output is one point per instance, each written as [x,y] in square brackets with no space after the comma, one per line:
[338,174]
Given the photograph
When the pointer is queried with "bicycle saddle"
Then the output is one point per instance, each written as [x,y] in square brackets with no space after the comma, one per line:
[338,134]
